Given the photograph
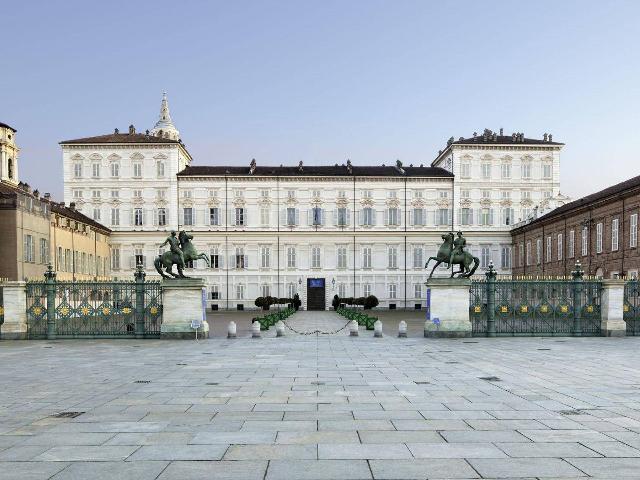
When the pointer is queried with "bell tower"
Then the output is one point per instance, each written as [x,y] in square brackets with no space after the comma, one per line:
[164,127]
[8,154]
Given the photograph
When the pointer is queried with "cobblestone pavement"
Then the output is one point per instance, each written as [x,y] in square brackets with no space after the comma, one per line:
[321,407]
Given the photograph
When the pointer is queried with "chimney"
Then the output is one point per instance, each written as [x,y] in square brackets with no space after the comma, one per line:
[550,138]
[72,206]
[513,137]
[116,131]
[544,137]
[47,196]
[501,132]
[62,204]
[36,193]
[132,130]
[27,188]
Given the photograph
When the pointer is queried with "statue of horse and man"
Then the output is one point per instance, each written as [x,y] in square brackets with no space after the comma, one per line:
[181,251]
[453,252]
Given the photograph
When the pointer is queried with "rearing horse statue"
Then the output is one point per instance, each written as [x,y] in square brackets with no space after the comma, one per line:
[168,259]
[460,257]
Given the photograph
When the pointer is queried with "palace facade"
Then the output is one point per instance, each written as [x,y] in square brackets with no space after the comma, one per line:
[275,230]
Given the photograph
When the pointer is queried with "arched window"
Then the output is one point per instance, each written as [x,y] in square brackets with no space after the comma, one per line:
[10,168]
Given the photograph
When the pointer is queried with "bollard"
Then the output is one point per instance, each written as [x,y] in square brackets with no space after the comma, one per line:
[255,330]
[402,329]
[280,328]
[353,328]
[231,331]
[377,329]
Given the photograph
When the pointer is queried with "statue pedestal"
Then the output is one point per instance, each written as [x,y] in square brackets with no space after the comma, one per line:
[182,304]
[449,304]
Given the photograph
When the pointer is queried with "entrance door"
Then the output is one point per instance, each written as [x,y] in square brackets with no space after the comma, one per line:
[315,294]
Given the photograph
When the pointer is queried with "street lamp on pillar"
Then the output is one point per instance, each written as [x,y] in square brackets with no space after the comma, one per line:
[333,284]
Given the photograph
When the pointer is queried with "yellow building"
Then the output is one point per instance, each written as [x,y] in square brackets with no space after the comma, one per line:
[80,245]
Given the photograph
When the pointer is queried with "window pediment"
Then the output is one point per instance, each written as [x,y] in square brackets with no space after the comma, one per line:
[136,156]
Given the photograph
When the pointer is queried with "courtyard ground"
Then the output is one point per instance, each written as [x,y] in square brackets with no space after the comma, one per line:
[320,407]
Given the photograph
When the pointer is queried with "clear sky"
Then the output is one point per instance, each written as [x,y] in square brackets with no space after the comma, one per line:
[324,81]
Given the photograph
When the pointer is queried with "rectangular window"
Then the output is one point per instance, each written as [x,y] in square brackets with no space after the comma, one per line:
[393,216]
[505,257]
[485,257]
[68,259]
[160,169]
[366,257]
[585,241]
[366,289]
[538,251]
[393,291]
[546,171]
[486,170]
[528,253]
[521,255]
[443,216]
[633,230]
[465,194]
[240,292]
[137,217]
[291,257]
[343,217]
[214,258]
[265,257]
[44,251]
[614,235]
[549,248]
[465,170]
[367,216]
[418,216]
[506,171]
[316,216]
[96,214]
[393,257]
[138,256]
[137,169]
[214,216]
[292,216]
[95,170]
[77,194]
[315,257]
[342,257]
[137,194]
[466,216]
[187,214]
[215,292]
[115,258]
[162,217]
[240,258]
[77,170]
[571,247]
[342,290]
[417,291]
[264,216]
[264,193]
[115,217]
[560,246]
[418,257]
[115,169]
[240,220]
[526,170]
[115,193]
[599,238]
[486,217]
[187,194]
[265,290]
[507,216]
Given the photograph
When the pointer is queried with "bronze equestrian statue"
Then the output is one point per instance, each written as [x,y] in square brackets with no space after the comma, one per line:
[452,252]
[181,251]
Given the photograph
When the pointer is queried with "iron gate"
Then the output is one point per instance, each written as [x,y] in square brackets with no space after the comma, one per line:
[631,307]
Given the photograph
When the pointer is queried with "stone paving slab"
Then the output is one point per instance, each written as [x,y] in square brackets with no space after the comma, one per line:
[321,407]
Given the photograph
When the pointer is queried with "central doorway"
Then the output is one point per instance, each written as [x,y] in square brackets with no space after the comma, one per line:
[315,294]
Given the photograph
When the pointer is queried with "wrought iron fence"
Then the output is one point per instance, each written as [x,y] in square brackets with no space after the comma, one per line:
[535,307]
[94,308]
[1,306]
[631,307]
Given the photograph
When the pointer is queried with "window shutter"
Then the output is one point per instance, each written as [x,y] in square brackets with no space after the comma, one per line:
[348,216]
[155,217]
[246,261]
[245,215]
[132,261]
[335,217]
[131,217]
[181,216]
[400,216]
[471,216]
[374,214]
[386,216]
[322,216]
[220,261]
[297,216]
[310,217]
[491,216]
[360,214]
[232,261]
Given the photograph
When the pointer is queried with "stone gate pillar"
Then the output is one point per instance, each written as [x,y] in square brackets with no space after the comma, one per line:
[612,308]
[450,305]
[182,304]
[15,311]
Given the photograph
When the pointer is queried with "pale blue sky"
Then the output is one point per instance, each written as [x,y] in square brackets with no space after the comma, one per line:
[284,81]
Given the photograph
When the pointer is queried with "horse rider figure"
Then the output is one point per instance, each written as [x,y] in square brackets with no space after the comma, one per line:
[174,245]
[458,246]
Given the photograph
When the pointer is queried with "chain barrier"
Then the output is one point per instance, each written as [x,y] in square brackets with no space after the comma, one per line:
[316,332]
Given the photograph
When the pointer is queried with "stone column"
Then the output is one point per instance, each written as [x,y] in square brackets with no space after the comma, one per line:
[182,304]
[612,308]
[449,304]
[15,311]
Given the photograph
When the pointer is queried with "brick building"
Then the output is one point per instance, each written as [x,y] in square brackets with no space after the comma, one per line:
[600,230]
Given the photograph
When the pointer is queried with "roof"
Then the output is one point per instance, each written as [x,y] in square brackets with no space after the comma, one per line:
[612,191]
[119,138]
[4,125]
[494,139]
[76,215]
[316,170]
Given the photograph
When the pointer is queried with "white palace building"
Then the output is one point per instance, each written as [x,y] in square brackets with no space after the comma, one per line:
[352,230]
